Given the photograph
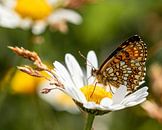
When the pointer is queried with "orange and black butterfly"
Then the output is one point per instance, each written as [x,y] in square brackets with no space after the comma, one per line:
[125,66]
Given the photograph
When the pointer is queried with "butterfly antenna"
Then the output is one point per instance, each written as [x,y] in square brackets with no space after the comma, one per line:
[89,63]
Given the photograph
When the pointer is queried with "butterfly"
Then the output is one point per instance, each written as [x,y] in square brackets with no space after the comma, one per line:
[125,66]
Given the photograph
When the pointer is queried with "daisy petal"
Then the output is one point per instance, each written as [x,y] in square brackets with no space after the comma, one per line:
[77,94]
[90,105]
[54,2]
[106,102]
[116,107]
[25,23]
[63,73]
[93,105]
[140,91]
[91,62]
[119,94]
[134,96]
[135,103]
[65,15]
[70,88]
[8,18]
[10,4]
[39,27]
[140,97]
[75,70]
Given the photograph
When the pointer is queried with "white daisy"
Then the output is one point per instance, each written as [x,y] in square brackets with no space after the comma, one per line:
[98,100]
[36,14]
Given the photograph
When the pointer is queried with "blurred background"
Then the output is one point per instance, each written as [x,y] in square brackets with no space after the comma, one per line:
[105,24]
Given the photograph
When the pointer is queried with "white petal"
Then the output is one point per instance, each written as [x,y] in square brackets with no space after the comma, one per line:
[135,103]
[140,91]
[9,3]
[93,105]
[54,2]
[119,94]
[134,96]
[65,78]
[39,27]
[63,73]
[8,18]
[25,23]
[75,70]
[92,58]
[143,95]
[91,62]
[116,107]
[90,105]
[139,97]
[78,95]
[65,15]
[106,102]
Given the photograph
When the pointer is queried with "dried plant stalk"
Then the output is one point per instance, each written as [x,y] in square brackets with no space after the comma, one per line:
[32,56]
[30,71]
[36,72]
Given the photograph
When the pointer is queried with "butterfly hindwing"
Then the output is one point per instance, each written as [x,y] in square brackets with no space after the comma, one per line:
[126,65]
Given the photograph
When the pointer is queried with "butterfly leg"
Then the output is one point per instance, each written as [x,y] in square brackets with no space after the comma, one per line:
[89,77]
[110,89]
[94,89]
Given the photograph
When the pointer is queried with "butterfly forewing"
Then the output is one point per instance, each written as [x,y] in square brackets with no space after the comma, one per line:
[125,66]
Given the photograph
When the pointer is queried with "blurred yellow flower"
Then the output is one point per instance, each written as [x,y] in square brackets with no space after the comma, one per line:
[37,15]
[24,83]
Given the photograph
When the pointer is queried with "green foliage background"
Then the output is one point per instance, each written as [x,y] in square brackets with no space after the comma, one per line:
[105,25]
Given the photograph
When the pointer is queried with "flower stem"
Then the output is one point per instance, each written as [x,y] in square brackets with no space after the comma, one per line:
[89,122]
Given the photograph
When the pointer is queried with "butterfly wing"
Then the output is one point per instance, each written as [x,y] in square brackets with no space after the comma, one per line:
[126,65]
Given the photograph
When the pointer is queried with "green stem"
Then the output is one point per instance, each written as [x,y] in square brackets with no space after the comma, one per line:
[89,122]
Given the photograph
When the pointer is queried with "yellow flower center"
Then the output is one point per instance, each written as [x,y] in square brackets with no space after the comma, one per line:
[34,9]
[95,93]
